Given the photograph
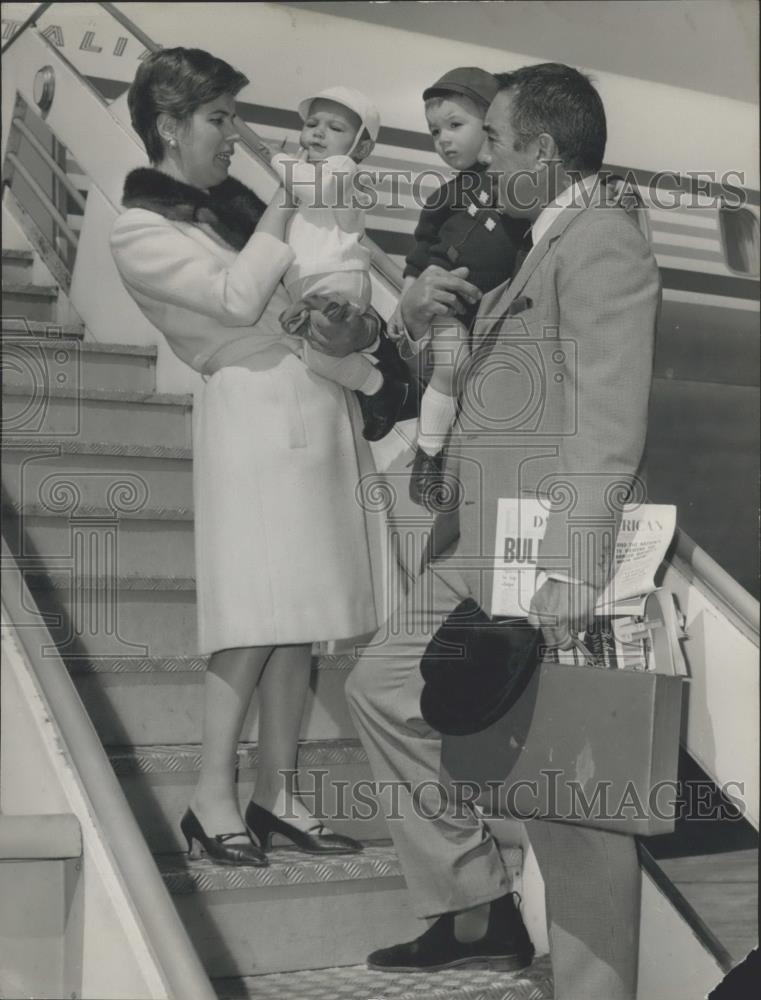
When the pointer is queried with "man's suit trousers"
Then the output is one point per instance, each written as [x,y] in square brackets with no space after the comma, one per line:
[450,861]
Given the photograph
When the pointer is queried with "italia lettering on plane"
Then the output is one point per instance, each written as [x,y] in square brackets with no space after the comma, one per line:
[54,34]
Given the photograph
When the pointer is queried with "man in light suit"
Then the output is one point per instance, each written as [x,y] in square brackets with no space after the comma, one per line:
[553,405]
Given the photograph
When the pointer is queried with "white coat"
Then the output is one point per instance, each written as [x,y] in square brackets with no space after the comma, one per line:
[285,553]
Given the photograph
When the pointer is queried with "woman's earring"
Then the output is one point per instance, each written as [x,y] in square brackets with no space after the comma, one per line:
[172,143]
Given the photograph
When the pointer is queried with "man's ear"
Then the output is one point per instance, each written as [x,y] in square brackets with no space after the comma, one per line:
[166,126]
[547,148]
[363,150]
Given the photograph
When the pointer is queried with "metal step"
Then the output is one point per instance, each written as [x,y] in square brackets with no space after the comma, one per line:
[110,615]
[66,474]
[334,779]
[107,614]
[297,913]
[37,328]
[37,302]
[356,982]
[134,700]
[17,266]
[54,362]
[147,541]
[97,415]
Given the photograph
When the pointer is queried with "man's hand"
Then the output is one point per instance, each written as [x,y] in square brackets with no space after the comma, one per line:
[395,323]
[561,608]
[435,293]
[344,331]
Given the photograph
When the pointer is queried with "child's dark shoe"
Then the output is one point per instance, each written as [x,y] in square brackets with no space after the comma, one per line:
[381,411]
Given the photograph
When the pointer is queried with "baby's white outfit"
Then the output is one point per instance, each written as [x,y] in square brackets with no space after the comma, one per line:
[330,260]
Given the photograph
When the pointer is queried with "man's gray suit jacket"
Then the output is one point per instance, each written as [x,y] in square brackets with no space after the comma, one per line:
[554,399]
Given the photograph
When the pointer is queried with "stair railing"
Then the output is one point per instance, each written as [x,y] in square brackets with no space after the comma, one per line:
[44,222]
[164,935]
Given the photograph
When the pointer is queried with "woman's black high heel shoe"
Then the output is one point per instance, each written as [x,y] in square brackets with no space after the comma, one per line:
[200,843]
[263,824]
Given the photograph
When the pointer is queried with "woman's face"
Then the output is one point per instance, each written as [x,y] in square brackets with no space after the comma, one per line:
[205,142]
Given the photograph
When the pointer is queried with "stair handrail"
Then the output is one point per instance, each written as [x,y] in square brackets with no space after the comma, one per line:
[30,22]
[165,933]
[740,606]
[129,24]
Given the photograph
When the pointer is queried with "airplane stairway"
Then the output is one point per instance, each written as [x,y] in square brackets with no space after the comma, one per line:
[98,510]
[97,505]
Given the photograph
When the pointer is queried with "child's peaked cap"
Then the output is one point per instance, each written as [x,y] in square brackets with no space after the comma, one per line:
[352,99]
[469,81]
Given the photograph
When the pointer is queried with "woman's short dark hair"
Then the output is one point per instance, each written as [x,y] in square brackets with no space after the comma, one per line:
[561,101]
[176,82]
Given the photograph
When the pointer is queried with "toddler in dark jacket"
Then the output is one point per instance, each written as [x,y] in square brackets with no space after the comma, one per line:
[459,226]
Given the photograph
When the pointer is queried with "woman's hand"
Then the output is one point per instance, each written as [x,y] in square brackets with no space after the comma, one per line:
[435,293]
[278,214]
[263,149]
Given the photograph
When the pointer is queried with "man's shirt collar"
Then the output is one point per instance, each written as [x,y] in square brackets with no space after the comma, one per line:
[575,194]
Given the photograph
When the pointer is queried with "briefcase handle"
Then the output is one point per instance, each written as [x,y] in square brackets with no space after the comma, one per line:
[585,651]
[663,628]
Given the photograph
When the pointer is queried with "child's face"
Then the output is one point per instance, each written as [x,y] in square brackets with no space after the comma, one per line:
[329,130]
[457,130]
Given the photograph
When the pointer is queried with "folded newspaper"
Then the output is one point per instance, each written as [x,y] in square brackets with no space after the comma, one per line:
[617,640]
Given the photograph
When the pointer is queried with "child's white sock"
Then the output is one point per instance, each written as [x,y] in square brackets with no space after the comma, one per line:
[437,411]
[372,383]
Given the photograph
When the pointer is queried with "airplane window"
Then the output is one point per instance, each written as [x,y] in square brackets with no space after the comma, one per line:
[740,239]
[625,193]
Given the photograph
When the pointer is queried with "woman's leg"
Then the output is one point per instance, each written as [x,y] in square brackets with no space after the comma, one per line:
[282,695]
[231,677]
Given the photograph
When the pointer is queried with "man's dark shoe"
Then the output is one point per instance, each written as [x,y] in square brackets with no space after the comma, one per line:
[506,943]
[381,411]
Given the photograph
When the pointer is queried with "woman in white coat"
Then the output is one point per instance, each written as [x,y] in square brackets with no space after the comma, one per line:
[285,555]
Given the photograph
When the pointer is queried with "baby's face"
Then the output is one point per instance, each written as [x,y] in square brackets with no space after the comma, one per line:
[457,131]
[329,130]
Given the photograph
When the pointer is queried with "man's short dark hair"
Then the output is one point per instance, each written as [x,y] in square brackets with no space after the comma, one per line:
[176,82]
[561,101]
